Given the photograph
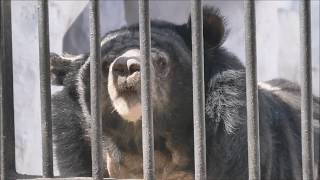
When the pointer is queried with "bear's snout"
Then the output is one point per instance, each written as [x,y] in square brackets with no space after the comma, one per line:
[126,71]
[126,66]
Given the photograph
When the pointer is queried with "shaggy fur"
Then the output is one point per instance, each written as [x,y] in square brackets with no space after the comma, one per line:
[225,111]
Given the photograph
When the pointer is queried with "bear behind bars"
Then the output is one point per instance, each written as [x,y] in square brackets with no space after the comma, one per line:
[171,74]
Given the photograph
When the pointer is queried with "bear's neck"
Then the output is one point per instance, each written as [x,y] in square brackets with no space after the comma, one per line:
[128,135]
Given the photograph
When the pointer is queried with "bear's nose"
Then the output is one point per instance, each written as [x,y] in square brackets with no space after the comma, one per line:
[133,66]
[126,66]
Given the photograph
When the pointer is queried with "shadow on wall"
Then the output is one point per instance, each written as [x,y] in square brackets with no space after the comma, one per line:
[76,39]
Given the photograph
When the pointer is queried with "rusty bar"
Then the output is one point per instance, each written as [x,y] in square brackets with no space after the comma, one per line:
[45,91]
[146,101]
[306,92]
[198,90]
[252,92]
[7,143]
[95,91]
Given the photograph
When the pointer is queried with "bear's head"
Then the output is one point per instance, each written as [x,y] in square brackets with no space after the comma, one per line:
[171,66]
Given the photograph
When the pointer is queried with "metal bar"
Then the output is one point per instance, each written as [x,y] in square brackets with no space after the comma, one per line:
[35,177]
[72,178]
[7,156]
[198,90]
[252,92]
[95,91]
[45,91]
[146,100]
[2,160]
[306,92]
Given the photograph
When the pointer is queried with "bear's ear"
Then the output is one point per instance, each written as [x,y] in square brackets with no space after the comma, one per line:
[59,68]
[214,28]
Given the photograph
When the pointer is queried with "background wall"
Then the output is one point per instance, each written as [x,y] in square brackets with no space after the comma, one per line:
[277,41]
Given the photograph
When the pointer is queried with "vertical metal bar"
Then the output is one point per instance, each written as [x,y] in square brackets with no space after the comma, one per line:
[306,91]
[252,92]
[95,91]
[45,91]
[7,156]
[2,160]
[198,90]
[146,101]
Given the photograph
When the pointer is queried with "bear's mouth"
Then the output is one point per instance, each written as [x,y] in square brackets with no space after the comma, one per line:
[130,95]
[126,99]
[128,105]
[124,85]
[127,84]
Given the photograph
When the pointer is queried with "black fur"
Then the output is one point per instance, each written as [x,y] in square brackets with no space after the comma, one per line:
[226,130]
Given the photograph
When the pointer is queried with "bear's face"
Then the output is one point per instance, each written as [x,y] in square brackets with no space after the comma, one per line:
[171,69]
[170,60]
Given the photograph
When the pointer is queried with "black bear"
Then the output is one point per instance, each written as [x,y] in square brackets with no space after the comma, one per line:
[226,130]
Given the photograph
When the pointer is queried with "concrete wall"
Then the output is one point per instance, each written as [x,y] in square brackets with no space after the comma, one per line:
[26,73]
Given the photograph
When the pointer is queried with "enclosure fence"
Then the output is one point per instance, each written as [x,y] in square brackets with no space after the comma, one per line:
[8,169]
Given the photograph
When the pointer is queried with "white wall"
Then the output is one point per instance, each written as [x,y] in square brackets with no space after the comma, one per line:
[277,33]
[277,41]
[26,68]
[26,73]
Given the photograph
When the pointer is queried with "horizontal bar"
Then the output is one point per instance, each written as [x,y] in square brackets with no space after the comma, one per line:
[146,99]
[74,178]
[95,91]
[7,143]
[45,91]
[33,177]
[252,92]
[306,92]
[198,90]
